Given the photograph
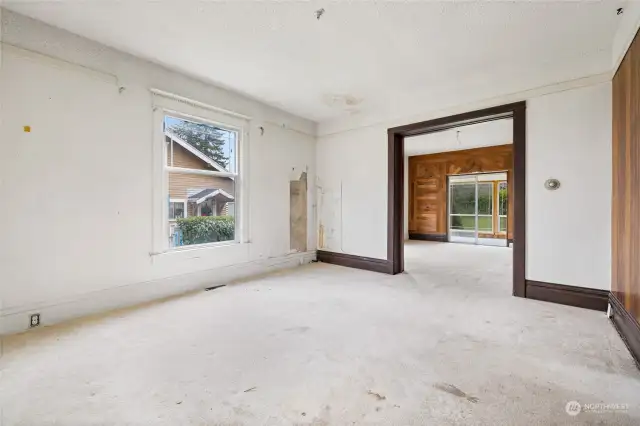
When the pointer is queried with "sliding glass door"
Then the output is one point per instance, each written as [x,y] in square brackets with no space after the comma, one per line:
[485,208]
[475,215]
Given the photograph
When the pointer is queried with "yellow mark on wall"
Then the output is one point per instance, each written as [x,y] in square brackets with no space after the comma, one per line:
[321,236]
[27,129]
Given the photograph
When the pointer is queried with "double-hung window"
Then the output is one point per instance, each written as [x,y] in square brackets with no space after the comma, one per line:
[199,174]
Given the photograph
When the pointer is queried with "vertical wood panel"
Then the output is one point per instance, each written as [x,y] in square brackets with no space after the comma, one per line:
[626,182]
[615,192]
[634,185]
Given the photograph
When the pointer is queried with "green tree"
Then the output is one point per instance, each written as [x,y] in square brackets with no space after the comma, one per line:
[207,139]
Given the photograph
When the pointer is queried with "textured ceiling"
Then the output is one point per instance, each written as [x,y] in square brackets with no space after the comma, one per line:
[384,58]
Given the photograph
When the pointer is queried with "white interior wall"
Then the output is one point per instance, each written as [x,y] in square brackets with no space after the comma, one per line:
[352,192]
[78,237]
[568,231]
[96,258]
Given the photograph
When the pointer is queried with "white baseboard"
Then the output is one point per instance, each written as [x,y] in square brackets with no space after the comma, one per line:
[129,295]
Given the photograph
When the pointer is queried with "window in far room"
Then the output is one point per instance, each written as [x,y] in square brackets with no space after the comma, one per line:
[177,208]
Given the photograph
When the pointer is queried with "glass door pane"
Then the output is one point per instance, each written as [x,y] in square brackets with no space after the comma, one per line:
[477,209]
[485,208]
[462,212]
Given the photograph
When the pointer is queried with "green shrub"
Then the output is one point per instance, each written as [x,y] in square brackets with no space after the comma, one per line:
[206,229]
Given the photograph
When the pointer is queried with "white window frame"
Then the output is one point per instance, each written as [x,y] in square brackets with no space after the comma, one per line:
[175,106]
[178,200]
[233,204]
[502,216]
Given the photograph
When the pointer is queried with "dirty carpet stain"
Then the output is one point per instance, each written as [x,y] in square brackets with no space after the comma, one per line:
[446,387]
[377,395]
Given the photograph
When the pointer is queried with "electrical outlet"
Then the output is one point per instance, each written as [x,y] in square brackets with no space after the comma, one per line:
[35,320]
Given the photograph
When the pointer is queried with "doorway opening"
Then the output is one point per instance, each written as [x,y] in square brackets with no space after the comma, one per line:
[516,187]
[477,209]
[458,211]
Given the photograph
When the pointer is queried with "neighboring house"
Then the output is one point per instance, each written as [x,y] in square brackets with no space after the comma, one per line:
[192,194]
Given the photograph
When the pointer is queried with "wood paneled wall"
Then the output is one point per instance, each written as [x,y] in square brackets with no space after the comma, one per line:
[428,183]
[626,182]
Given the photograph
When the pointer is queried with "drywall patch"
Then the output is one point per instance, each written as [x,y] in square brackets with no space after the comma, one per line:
[298,213]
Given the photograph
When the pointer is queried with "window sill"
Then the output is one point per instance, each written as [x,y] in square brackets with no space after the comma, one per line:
[196,251]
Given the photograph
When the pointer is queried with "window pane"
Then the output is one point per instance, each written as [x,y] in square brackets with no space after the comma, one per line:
[210,214]
[485,198]
[485,223]
[176,209]
[502,198]
[463,198]
[200,146]
[503,224]
[467,223]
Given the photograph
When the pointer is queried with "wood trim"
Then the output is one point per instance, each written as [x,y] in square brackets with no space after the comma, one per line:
[428,237]
[395,203]
[627,327]
[352,261]
[457,120]
[581,297]
[518,192]
[395,188]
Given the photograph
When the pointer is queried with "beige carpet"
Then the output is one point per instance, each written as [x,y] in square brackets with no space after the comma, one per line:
[444,344]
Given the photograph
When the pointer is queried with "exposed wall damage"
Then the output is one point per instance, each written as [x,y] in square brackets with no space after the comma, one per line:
[298,213]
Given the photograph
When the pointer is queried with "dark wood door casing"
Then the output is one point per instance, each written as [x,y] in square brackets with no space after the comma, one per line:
[517,180]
